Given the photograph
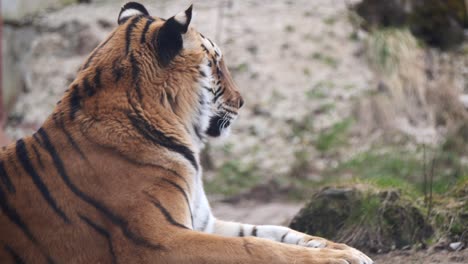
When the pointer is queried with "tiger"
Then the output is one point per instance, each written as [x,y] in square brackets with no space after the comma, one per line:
[113,175]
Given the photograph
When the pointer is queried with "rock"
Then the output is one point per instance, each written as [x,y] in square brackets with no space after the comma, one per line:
[455,246]
[439,23]
[368,219]
[389,13]
[20,9]
[43,57]
[15,43]
[464,100]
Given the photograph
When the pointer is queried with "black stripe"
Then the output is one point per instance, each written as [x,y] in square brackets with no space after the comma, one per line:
[205,49]
[16,258]
[159,138]
[128,32]
[115,219]
[11,213]
[219,93]
[22,155]
[166,213]
[208,89]
[175,174]
[88,88]
[254,231]
[37,140]
[97,78]
[75,101]
[38,156]
[117,70]
[211,42]
[71,140]
[135,73]
[219,72]
[299,240]
[145,30]
[181,190]
[139,163]
[103,232]
[284,237]
[90,58]
[6,179]
[241,230]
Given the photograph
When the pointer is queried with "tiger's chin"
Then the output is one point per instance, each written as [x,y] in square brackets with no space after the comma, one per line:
[219,126]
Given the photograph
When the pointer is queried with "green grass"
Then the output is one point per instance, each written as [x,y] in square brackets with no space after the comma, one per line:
[403,170]
[372,164]
[318,91]
[333,137]
[325,59]
[232,178]
[315,94]
[330,20]
[243,67]
[366,212]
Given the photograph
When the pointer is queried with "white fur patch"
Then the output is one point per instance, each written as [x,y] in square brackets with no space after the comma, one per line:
[203,219]
[181,18]
[201,117]
[129,13]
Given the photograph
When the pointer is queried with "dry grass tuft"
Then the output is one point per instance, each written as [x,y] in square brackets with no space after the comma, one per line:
[417,90]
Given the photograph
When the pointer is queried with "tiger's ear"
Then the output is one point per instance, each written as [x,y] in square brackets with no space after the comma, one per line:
[169,40]
[131,9]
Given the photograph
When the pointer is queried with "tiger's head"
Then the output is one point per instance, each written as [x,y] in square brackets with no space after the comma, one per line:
[162,71]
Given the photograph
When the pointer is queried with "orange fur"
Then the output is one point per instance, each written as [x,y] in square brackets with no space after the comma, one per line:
[91,186]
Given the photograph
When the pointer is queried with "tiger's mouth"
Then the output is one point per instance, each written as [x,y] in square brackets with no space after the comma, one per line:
[219,124]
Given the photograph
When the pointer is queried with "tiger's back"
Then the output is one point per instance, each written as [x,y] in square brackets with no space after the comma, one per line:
[57,206]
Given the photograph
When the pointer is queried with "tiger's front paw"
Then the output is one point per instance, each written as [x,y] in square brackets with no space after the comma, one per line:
[318,242]
[346,256]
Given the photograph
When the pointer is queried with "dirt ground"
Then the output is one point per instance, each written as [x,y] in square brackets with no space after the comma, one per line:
[422,257]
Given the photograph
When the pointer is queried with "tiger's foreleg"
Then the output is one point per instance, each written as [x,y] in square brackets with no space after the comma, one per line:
[206,222]
[280,234]
[194,247]
[276,233]
[211,241]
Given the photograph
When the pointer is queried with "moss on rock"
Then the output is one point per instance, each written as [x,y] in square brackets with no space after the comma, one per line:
[438,23]
[363,217]
[450,213]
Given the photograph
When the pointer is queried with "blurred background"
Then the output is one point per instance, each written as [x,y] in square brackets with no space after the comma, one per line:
[356,111]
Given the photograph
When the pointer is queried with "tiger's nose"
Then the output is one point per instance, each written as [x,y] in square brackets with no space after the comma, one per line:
[241,102]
